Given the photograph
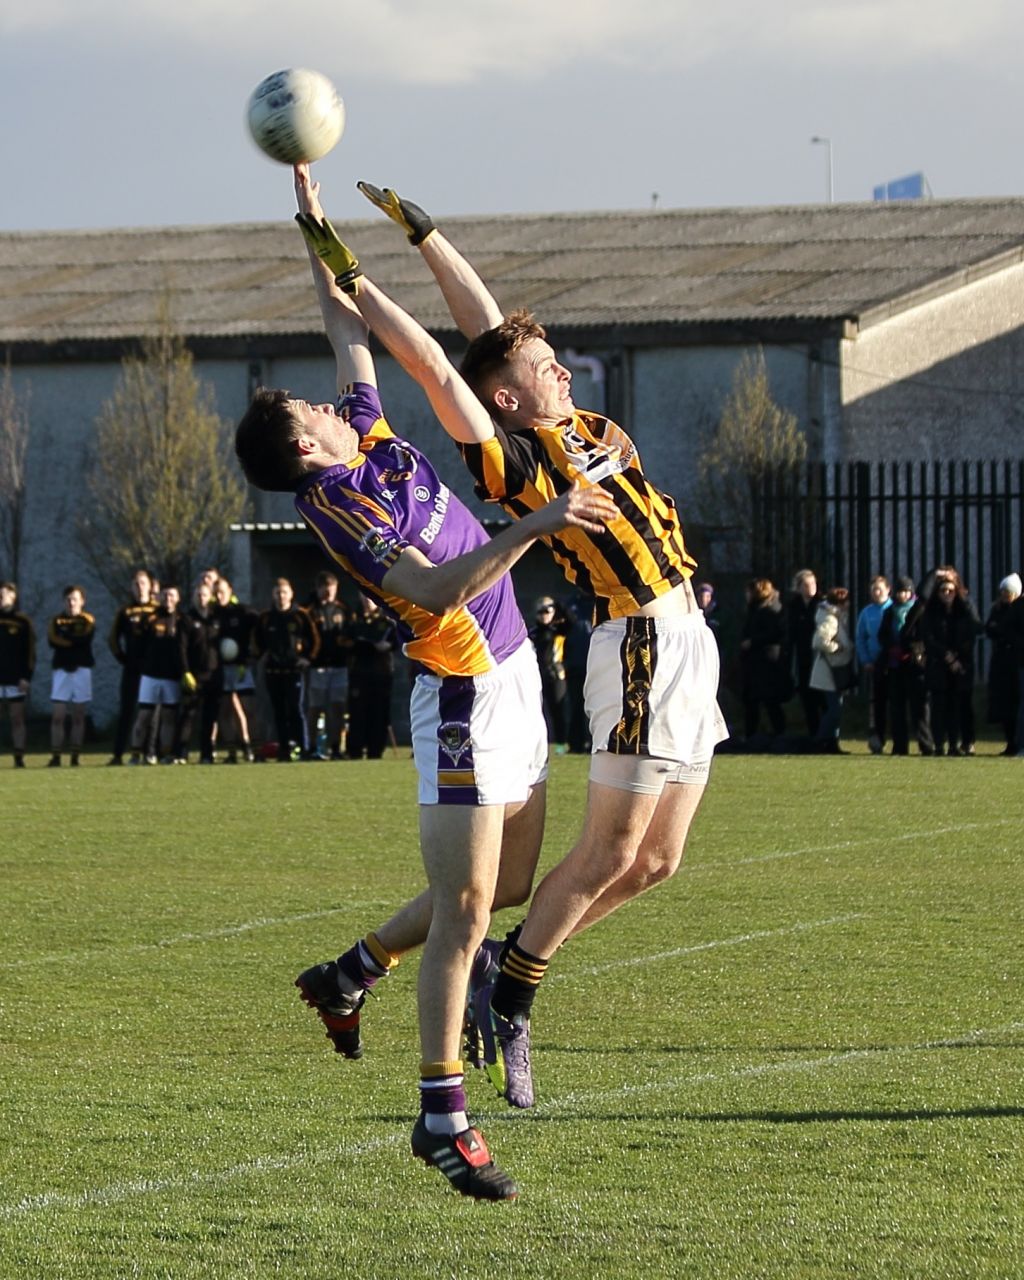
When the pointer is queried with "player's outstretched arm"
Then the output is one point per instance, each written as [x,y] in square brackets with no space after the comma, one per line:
[470,302]
[345,327]
[443,587]
[421,356]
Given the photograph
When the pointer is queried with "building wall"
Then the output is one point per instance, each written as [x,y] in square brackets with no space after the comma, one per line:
[942,380]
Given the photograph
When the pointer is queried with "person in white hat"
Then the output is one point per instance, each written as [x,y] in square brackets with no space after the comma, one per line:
[1003,667]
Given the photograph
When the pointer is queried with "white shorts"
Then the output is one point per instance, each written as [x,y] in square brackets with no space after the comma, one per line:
[651,698]
[158,693]
[72,686]
[480,739]
[326,686]
[238,679]
[11,693]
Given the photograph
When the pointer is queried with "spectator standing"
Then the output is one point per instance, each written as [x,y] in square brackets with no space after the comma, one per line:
[765,675]
[1003,687]
[235,625]
[164,663]
[548,634]
[947,629]
[576,652]
[833,671]
[869,659]
[904,680]
[704,593]
[70,634]
[287,641]
[127,637]
[327,679]
[17,664]
[801,612]
[370,677]
[201,683]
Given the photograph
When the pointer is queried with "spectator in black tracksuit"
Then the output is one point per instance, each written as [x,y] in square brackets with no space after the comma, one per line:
[548,636]
[17,664]
[370,677]
[201,683]
[126,640]
[327,678]
[576,653]
[1003,690]
[801,611]
[287,642]
[765,671]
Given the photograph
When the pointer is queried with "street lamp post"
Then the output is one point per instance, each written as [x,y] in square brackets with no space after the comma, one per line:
[827,142]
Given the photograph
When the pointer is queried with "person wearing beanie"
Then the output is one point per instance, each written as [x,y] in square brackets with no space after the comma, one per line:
[1003,683]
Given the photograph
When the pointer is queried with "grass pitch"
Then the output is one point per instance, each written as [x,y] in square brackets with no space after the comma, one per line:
[802,1057]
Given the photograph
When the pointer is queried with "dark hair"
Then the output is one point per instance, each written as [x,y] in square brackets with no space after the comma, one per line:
[837,595]
[73,587]
[761,590]
[489,353]
[263,441]
[9,586]
[325,576]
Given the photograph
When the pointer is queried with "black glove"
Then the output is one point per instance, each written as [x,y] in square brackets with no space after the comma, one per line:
[416,224]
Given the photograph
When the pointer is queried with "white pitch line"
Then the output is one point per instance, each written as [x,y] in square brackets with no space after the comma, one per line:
[118,1191]
[212,935]
[739,940]
[857,843]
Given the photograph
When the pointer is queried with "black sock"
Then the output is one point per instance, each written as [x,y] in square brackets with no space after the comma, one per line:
[517,983]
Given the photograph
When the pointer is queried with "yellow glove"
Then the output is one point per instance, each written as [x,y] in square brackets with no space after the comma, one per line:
[416,224]
[323,240]
[189,683]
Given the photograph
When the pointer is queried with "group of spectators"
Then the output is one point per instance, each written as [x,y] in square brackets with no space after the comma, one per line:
[191,670]
[913,646]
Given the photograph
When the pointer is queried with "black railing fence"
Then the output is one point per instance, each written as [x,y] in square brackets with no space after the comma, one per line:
[849,521]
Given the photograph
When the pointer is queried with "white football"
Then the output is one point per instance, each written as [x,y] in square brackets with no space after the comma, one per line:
[296,116]
[229,649]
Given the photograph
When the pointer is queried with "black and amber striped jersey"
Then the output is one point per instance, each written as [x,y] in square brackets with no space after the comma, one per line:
[639,557]
[70,638]
[129,632]
[17,647]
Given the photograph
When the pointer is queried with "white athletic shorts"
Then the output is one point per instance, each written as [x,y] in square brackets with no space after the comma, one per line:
[651,698]
[326,686]
[238,679]
[11,693]
[72,686]
[480,739]
[158,693]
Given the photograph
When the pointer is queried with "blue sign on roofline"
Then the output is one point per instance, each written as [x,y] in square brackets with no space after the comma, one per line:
[913,187]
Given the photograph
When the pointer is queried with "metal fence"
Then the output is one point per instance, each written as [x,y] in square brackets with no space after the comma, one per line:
[849,521]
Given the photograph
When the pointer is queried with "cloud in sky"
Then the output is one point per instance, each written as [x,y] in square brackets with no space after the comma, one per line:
[459,42]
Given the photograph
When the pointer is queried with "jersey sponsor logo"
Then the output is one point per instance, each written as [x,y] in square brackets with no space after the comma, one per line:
[436,521]
[454,739]
[374,542]
[421,493]
[594,459]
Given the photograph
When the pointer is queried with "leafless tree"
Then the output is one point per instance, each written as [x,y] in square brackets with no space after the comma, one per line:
[754,452]
[14,433]
[161,485]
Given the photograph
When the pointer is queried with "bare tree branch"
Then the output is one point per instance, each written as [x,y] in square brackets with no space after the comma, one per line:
[14,433]
[161,487]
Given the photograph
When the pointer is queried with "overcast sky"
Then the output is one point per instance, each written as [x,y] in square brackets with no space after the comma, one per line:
[131,114]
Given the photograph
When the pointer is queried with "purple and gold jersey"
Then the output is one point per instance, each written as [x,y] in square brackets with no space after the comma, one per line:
[366,512]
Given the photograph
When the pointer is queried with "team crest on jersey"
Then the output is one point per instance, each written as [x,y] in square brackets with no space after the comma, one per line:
[454,739]
[421,493]
[403,466]
[374,542]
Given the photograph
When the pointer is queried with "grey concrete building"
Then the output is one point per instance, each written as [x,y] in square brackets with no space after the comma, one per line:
[890,331]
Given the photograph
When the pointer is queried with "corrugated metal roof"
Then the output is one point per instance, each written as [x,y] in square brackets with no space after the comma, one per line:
[665,267]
